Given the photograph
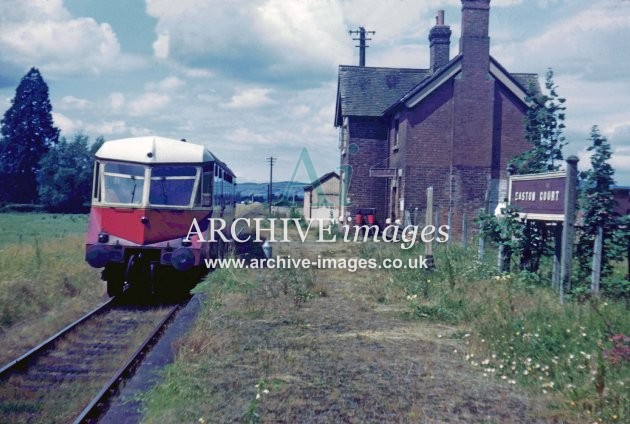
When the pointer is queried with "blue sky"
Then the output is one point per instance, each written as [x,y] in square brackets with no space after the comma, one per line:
[255,78]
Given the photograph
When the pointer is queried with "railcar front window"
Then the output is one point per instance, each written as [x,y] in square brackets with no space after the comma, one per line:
[172,185]
[123,183]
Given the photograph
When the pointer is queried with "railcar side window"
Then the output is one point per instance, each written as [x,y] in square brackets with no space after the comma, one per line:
[123,183]
[96,183]
[206,186]
[172,185]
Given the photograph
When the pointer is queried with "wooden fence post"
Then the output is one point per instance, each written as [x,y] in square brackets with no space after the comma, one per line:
[597,262]
[555,272]
[429,218]
[464,231]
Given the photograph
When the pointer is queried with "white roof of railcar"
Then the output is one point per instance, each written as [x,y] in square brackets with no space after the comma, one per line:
[153,150]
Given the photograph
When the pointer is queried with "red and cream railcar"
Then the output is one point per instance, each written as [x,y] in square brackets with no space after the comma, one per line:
[146,192]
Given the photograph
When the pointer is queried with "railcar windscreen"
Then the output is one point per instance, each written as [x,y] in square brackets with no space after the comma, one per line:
[172,185]
[123,183]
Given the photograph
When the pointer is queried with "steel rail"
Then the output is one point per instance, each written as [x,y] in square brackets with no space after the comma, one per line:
[48,343]
[96,406]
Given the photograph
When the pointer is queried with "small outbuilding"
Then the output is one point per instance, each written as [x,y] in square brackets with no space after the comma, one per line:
[321,197]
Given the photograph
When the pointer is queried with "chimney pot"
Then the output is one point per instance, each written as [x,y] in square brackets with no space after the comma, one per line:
[440,17]
[439,43]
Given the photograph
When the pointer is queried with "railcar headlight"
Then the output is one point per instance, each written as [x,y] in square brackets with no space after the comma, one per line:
[97,255]
[103,237]
[183,259]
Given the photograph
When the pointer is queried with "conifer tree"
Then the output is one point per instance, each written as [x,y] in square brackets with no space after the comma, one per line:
[597,204]
[544,127]
[27,133]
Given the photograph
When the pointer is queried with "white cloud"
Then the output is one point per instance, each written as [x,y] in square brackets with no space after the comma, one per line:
[148,103]
[245,136]
[71,102]
[263,39]
[250,99]
[588,44]
[44,33]
[66,124]
[197,73]
[161,46]
[170,83]
[108,128]
[116,101]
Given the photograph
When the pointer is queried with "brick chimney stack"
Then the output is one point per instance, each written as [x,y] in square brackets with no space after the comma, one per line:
[474,43]
[440,43]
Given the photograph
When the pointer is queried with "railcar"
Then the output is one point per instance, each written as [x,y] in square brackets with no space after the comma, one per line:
[146,193]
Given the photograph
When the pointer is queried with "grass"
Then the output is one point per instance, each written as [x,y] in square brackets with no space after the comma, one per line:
[44,280]
[23,228]
[577,354]
[323,346]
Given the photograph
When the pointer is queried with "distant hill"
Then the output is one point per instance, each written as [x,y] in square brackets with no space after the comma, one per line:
[260,189]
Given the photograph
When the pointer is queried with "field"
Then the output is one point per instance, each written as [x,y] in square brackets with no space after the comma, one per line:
[44,280]
[457,345]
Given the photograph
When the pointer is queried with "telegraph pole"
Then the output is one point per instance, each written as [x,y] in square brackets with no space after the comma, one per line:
[362,46]
[270,160]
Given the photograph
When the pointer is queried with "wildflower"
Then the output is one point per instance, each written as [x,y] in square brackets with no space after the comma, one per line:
[454,350]
[568,330]
[503,377]
[439,336]
[583,334]
[544,391]
[512,381]
[257,395]
[202,420]
[525,372]
[265,391]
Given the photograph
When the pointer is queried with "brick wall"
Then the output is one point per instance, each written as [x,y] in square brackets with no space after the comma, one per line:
[369,135]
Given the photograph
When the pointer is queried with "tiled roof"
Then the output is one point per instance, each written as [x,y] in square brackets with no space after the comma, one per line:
[367,91]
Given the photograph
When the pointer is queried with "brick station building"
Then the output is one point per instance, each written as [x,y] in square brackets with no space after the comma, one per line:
[453,126]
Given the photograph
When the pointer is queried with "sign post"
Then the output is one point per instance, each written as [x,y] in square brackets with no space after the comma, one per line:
[551,196]
[568,231]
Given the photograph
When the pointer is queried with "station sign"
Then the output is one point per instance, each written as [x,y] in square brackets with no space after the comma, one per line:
[538,196]
[383,172]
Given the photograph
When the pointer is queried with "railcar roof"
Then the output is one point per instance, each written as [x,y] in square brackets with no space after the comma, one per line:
[152,150]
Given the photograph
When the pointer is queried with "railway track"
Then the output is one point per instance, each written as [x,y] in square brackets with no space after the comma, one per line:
[70,376]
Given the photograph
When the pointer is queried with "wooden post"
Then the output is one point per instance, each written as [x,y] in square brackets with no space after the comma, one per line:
[500,258]
[464,231]
[449,222]
[555,272]
[597,262]
[429,219]
[481,248]
[568,232]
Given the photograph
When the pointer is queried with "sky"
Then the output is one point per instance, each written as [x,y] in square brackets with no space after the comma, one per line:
[252,79]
